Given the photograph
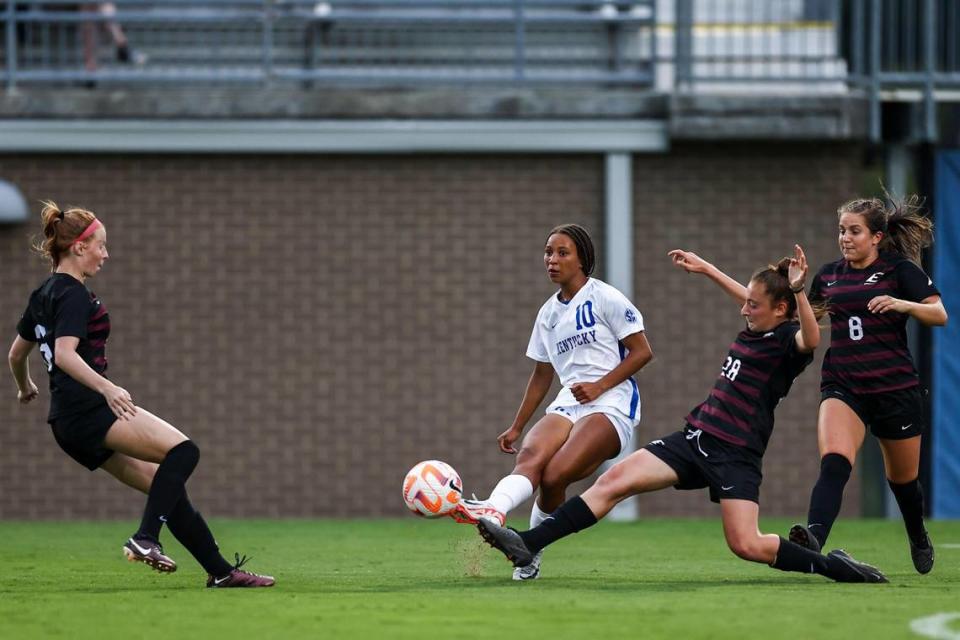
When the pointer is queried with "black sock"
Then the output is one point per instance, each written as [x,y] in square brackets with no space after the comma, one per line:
[167,488]
[827,495]
[910,500]
[793,557]
[191,530]
[572,516]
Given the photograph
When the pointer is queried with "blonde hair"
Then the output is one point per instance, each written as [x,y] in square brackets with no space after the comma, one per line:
[60,228]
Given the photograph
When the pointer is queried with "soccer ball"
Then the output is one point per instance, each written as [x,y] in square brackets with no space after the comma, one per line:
[432,489]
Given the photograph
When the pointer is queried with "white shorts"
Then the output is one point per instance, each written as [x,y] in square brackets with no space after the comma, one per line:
[623,424]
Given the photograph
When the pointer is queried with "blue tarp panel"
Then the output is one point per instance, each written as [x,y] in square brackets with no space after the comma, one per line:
[946,340]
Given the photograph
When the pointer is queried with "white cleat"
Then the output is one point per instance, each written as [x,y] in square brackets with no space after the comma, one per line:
[530,571]
[471,511]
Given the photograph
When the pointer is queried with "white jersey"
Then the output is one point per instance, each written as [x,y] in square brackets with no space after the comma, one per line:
[581,339]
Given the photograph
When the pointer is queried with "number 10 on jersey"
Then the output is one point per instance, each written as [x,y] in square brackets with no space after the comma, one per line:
[585,316]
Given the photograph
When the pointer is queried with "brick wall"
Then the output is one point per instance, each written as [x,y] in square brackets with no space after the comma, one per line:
[319,324]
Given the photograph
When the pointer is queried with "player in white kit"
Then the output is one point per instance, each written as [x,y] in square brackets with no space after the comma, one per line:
[593,337]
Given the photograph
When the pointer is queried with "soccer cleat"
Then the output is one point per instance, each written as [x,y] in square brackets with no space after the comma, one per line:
[801,535]
[530,571]
[505,540]
[149,553]
[473,511]
[922,556]
[239,578]
[847,569]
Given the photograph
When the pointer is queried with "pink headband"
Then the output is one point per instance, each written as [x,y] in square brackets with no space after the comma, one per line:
[87,232]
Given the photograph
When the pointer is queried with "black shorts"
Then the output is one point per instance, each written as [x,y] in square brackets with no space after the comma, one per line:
[81,435]
[702,460]
[892,415]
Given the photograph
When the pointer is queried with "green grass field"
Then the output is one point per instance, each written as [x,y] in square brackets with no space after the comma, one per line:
[413,578]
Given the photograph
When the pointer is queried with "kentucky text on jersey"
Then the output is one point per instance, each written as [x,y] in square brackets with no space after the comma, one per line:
[573,342]
[581,339]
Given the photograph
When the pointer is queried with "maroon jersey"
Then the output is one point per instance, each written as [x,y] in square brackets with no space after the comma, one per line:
[63,306]
[759,370]
[868,351]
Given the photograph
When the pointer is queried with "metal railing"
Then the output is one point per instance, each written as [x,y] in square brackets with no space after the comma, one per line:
[892,50]
[332,41]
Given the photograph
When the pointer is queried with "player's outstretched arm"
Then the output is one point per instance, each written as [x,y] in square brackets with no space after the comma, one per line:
[692,263]
[537,388]
[808,338]
[929,311]
[17,358]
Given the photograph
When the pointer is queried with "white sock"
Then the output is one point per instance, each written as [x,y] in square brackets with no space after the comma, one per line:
[537,515]
[510,492]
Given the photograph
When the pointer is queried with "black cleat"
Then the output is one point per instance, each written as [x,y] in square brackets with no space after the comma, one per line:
[801,535]
[846,569]
[922,556]
[505,540]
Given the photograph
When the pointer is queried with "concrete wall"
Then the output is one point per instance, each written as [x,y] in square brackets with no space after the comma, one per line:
[320,323]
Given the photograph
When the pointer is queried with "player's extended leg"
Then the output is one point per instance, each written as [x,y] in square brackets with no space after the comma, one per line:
[592,440]
[146,437]
[639,473]
[840,434]
[185,523]
[539,445]
[740,528]
[901,459]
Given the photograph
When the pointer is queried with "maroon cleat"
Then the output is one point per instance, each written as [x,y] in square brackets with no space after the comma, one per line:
[239,578]
[149,553]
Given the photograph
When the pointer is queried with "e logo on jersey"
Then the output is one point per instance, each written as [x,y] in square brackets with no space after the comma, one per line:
[874,279]
[630,316]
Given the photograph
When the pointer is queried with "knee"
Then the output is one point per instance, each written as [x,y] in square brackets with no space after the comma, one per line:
[613,482]
[530,463]
[555,478]
[187,453]
[746,547]
[836,467]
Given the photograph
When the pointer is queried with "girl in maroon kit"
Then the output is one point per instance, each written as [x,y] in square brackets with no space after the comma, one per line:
[868,378]
[95,421]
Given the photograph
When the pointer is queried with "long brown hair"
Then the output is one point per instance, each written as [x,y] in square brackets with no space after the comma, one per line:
[60,228]
[905,229]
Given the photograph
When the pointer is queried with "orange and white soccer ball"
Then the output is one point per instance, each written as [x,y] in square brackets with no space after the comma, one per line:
[432,489]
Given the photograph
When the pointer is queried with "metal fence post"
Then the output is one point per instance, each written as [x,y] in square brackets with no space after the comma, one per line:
[11,45]
[519,43]
[857,28]
[875,27]
[267,26]
[930,41]
[683,44]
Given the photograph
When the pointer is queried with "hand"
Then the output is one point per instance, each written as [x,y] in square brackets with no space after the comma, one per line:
[120,402]
[585,392]
[689,261]
[883,304]
[797,273]
[25,396]
[507,438]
